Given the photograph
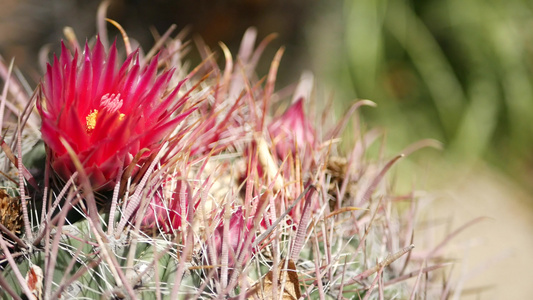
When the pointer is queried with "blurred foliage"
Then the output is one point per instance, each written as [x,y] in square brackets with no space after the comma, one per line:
[28,25]
[457,71]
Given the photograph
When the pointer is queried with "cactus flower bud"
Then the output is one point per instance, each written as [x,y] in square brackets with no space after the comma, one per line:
[238,231]
[291,129]
[167,208]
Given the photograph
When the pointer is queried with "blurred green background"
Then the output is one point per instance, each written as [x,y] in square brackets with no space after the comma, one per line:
[456,71]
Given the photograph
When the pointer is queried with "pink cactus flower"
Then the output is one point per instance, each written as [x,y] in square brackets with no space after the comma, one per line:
[238,231]
[106,113]
[291,129]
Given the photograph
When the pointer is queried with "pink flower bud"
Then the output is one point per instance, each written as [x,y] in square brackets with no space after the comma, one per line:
[238,232]
[167,208]
[291,129]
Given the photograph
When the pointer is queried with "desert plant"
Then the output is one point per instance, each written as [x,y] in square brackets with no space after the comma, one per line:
[157,181]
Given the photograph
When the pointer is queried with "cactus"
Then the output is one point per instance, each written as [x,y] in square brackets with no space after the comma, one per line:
[181,183]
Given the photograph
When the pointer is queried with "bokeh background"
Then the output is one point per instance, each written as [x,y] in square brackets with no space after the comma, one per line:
[456,71]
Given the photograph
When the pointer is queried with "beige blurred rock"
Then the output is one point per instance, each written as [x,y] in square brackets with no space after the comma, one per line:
[494,255]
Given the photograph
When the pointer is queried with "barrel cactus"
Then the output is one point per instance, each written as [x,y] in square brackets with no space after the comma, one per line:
[161,182]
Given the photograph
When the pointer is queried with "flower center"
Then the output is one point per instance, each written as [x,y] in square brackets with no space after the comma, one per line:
[91,120]
[109,102]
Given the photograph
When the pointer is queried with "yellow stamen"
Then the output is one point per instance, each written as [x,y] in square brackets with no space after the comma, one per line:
[91,120]
[111,104]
